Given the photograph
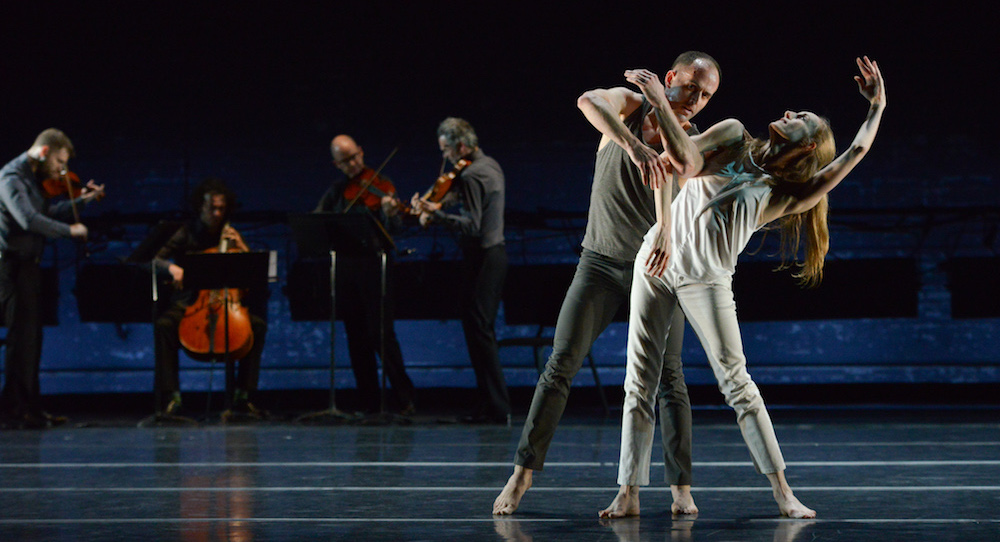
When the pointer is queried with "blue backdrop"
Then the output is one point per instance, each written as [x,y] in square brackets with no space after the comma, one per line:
[160,95]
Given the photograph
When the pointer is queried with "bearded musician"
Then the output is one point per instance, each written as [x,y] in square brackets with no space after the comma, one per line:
[27,218]
[361,190]
[214,202]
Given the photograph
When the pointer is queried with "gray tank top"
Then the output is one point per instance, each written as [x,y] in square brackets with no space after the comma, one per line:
[621,207]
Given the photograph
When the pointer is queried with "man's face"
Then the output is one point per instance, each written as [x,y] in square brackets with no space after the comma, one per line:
[689,88]
[452,153]
[349,159]
[213,211]
[55,164]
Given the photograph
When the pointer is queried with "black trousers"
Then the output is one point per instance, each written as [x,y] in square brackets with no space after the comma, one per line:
[483,274]
[358,293]
[20,300]
[168,343]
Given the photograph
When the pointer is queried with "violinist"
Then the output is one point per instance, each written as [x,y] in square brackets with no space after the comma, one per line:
[214,203]
[361,190]
[479,187]
[27,218]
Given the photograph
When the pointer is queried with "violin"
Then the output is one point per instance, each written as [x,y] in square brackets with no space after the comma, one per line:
[368,189]
[203,328]
[442,185]
[67,183]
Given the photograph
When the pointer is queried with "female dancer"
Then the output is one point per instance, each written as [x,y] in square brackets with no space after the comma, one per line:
[688,258]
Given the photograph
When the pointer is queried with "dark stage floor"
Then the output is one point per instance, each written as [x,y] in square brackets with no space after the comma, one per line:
[872,474]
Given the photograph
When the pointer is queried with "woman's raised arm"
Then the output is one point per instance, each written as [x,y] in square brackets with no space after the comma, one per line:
[872,87]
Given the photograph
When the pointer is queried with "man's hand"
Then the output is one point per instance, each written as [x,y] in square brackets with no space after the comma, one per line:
[423,206]
[78,231]
[390,205]
[654,171]
[177,273]
[92,192]
[234,239]
[649,83]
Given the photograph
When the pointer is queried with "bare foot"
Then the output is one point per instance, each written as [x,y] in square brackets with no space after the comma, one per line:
[683,501]
[626,504]
[791,507]
[788,505]
[510,496]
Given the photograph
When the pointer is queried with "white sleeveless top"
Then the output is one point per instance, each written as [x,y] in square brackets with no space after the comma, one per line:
[713,219]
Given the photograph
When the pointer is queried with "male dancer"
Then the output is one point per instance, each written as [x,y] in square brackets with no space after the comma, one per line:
[621,211]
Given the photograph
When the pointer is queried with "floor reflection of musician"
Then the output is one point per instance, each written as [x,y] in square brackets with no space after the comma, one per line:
[358,278]
[214,202]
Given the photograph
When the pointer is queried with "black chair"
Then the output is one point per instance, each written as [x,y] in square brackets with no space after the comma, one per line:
[533,295]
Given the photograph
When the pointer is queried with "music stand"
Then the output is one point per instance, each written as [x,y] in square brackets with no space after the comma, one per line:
[150,247]
[215,271]
[323,235]
[143,255]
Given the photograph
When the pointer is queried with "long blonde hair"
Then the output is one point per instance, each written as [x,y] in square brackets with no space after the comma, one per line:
[812,223]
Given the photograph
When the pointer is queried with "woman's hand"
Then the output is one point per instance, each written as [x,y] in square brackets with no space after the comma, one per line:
[659,256]
[870,82]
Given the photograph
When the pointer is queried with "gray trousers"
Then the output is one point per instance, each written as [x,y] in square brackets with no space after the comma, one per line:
[600,286]
[711,310]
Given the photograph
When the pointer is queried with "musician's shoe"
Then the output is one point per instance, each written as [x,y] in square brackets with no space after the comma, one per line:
[409,410]
[54,420]
[30,420]
[173,407]
[244,410]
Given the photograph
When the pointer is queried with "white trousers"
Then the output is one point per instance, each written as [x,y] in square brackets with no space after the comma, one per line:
[711,310]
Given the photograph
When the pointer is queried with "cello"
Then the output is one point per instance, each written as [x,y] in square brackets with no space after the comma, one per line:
[217,319]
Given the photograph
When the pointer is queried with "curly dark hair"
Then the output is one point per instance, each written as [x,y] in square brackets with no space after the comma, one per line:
[210,187]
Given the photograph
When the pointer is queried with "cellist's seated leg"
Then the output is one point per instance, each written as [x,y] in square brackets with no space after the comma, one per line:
[248,370]
[167,345]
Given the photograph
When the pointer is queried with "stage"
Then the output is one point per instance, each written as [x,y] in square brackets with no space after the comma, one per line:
[885,473]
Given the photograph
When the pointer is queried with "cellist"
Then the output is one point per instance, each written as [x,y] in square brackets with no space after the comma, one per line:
[214,203]
[361,190]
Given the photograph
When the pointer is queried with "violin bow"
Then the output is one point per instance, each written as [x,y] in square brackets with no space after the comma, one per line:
[69,191]
[365,186]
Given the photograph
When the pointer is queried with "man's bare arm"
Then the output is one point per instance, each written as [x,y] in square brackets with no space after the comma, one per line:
[605,109]
[678,148]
